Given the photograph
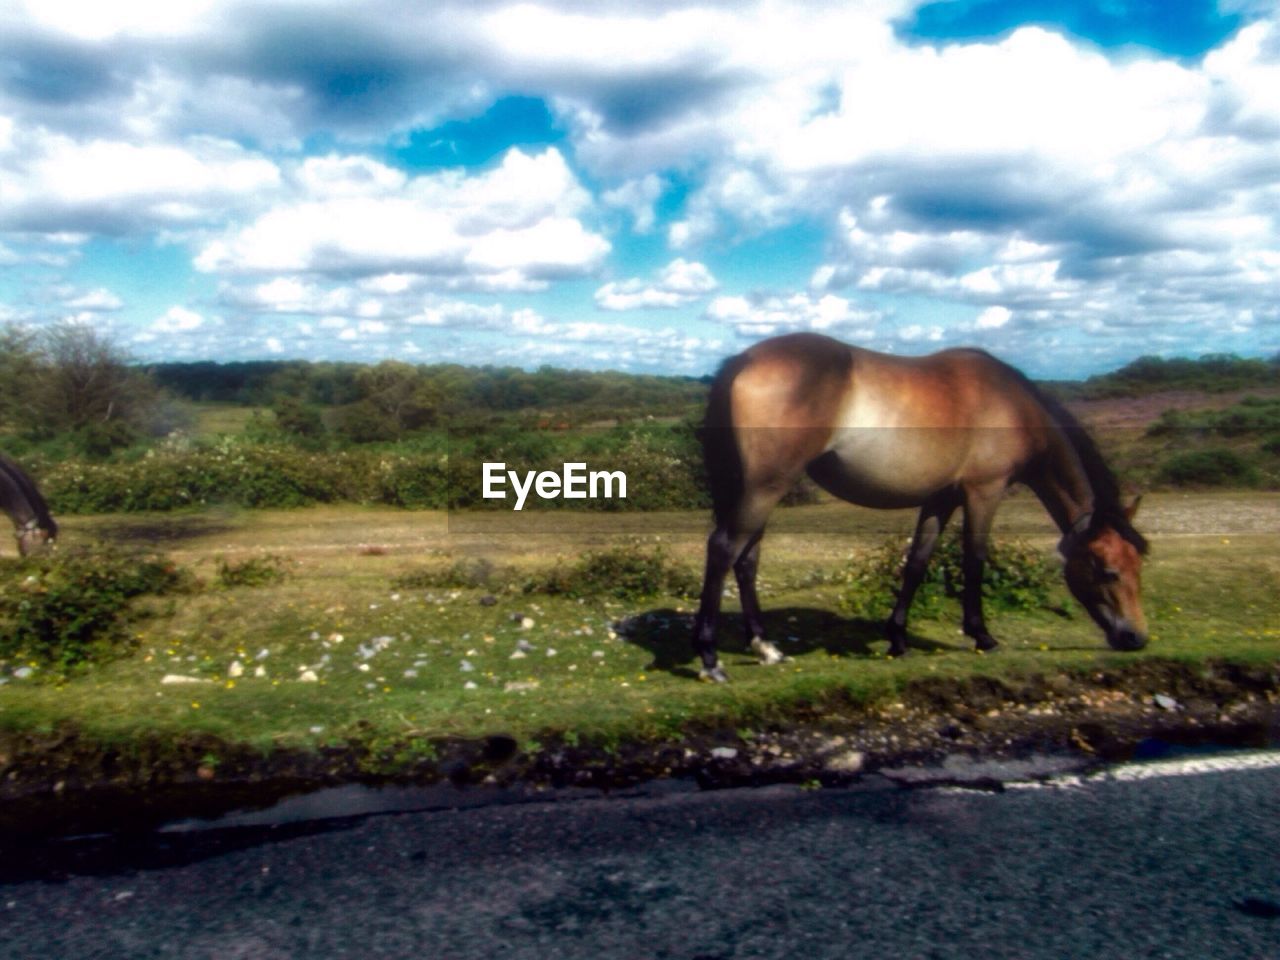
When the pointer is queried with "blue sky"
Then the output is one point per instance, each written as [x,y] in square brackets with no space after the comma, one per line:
[643,186]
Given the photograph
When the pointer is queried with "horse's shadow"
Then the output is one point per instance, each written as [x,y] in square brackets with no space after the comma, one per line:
[667,634]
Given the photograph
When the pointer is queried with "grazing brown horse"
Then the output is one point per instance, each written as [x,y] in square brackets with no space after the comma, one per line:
[949,430]
[19,498]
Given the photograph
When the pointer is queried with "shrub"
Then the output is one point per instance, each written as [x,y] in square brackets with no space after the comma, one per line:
[1016,576]
[629,572]
[253,572]
[1208,468]
[461,574]
[245,474]
[69,610]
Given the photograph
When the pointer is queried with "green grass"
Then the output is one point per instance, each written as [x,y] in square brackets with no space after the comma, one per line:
[1208,595]
[215,419]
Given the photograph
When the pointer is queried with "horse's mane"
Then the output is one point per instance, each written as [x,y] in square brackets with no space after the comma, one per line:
[26,486]
[1107,507]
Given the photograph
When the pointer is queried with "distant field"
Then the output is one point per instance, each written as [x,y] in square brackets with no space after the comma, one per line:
[403,662]
[214,419]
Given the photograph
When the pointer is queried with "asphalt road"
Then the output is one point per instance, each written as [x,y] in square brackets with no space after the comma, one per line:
[1166,866]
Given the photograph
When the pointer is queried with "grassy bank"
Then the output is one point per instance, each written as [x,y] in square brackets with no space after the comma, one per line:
[390,632]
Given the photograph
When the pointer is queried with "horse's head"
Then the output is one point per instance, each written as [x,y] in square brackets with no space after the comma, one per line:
[33,538]
[1104,572]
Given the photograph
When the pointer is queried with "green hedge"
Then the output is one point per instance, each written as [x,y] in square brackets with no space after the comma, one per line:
[662,463]
[250,475]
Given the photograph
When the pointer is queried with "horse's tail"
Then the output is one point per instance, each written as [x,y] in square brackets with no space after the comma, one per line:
[720,453]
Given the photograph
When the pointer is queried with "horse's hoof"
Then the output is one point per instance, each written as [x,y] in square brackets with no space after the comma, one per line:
[985,642]
[897,650]
[714,674]
[766,651]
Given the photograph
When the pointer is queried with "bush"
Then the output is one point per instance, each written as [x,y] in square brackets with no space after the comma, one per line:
[254,572]
[1208,468]
[461,574]
[66,611]
[629,572]
[1016,576]
[244,474]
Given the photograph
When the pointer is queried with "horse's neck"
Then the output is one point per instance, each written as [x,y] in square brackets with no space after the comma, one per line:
[1061,481]
[14,502]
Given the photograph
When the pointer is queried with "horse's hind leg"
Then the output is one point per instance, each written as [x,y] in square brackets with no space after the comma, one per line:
[732,540]
[933,519]
[723,549]
[745,571]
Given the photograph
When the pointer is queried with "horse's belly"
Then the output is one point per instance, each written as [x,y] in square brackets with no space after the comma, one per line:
[888,467]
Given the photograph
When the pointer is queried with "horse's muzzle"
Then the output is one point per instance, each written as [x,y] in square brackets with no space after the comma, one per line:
[1124,637]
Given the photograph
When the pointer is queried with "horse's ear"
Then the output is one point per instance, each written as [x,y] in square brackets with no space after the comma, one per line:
[1131,510]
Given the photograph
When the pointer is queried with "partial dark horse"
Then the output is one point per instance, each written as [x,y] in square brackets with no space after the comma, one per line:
[949,430]
[19,498]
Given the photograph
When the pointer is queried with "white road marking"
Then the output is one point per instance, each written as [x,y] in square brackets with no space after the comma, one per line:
[1144,770]
[1192,766]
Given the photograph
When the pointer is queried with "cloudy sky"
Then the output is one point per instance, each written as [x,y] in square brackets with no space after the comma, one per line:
[648,185]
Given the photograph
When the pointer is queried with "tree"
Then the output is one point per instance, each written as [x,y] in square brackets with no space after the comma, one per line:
[19,362]
[70,380]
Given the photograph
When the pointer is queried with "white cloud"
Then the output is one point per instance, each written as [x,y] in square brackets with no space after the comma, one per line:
[993,318]
[769,314]
[514,227]
[99,300]
[637,197]
[55,184]
[679,283]
[177,319]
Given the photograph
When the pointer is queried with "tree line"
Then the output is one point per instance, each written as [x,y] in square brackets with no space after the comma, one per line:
[70,390]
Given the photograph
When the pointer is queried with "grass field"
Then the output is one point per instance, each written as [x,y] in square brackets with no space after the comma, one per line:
[341,650]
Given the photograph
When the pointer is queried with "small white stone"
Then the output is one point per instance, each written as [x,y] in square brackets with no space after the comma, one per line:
[236,669]
[551,652]
[363,668]
[849,761]
[466,666]
[518,655]
[260,671]
[469,685]
[307,676]
[526,623]
[724,753]
[178,678]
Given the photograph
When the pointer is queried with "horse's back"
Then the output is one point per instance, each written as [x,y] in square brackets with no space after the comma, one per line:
[811,380]
[874,428]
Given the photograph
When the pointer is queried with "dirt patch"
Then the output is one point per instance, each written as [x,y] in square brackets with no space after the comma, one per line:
[163,532]
[1137,413]
[62,783]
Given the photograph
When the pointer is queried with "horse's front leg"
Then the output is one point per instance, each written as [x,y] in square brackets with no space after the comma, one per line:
[979,511]
[744,570]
